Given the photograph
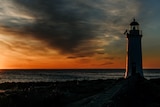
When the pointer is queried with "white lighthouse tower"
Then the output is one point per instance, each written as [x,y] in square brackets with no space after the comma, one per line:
[134,50]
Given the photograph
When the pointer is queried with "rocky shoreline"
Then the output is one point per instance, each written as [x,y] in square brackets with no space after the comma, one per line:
[145,93]
[43,94]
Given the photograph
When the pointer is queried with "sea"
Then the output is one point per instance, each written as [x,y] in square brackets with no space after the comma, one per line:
[53,75]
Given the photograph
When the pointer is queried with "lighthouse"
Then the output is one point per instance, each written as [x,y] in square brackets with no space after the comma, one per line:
[134,50]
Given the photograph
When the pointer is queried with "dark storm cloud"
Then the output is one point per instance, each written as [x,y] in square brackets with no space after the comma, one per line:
[64,24]
[77,27]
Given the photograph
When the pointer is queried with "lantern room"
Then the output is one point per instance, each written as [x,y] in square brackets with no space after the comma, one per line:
[134,25]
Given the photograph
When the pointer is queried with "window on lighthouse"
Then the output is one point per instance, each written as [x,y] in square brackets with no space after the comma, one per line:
[134,27]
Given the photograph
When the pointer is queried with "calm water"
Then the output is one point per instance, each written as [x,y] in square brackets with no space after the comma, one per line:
[64,75]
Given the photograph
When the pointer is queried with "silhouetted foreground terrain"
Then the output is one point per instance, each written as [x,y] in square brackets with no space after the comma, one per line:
[44,94]
[141,93]
[138,93]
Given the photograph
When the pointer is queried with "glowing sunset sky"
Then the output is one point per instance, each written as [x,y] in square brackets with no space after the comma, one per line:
[75,33]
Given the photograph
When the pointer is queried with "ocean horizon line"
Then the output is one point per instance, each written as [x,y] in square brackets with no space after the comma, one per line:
[74,69]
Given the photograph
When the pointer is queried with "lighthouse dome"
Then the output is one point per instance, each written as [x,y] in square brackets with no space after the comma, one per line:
[134,23]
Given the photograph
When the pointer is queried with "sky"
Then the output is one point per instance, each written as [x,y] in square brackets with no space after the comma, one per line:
[75,33]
